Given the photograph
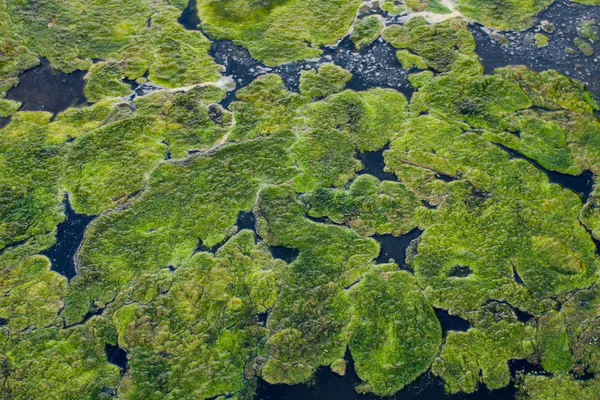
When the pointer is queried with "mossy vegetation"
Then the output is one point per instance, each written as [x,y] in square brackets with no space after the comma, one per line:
[199,309]
[366,30]
[327,79]
[278,31]
[133,36]
[503,15]
[444,47]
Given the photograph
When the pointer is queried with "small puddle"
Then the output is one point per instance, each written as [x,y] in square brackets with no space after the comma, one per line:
[374,164]
[44,89]
[284,253]
[68,238]
[246,220]
[451,322]
[117,356]
[394,247]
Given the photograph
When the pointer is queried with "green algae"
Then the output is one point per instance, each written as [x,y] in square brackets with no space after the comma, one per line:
[394,332]
[444,47]
[194,316]
[278,31]
[584,46]
[368,206]
[503,15]
[187,202]
[337,127]
[327,79]
[366,31]
[55,363]
[481,354]
[138,35]
[8,107]
[266,107]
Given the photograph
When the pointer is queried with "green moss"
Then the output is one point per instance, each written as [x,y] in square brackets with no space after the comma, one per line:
[392,7]
[278,31]
[409,60]
[584,46]
[366,31]
[265,107]
[583,329]
[550,89]
[15,57]
[109,163]
[368,206]
[337,127]
[503,15]
[54,363]
[541,40]
[339,367]
[105,80]
[8,107]
[444,47]
[30,167]
[553,343]
[203,314]
[116,31]
[328,79]
[483,226]
[538,139]
[481,354]
[561,387]
[480,101]
[30,295]
[588,30]
[394,334]
[184,203]
[419,79]
[309,320]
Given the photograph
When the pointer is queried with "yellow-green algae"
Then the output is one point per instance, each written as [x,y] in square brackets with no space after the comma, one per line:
[278,31]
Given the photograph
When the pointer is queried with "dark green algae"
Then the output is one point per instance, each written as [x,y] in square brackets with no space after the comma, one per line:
[169,173]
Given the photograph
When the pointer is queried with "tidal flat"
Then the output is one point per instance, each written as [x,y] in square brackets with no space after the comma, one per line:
[299,199]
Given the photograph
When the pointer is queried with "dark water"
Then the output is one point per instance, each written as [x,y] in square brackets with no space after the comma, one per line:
[284,253]
[567,17]
[246,220]
[44,89]
[394,247]
[374,163]
[582,184]
[116,356]
[68,238]
[451,322]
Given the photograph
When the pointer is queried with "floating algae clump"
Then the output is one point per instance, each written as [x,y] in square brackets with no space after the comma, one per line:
[278,31]
[444,47]
[140,35]
[205,309]
[503,15]
[328,79]
[366,30]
